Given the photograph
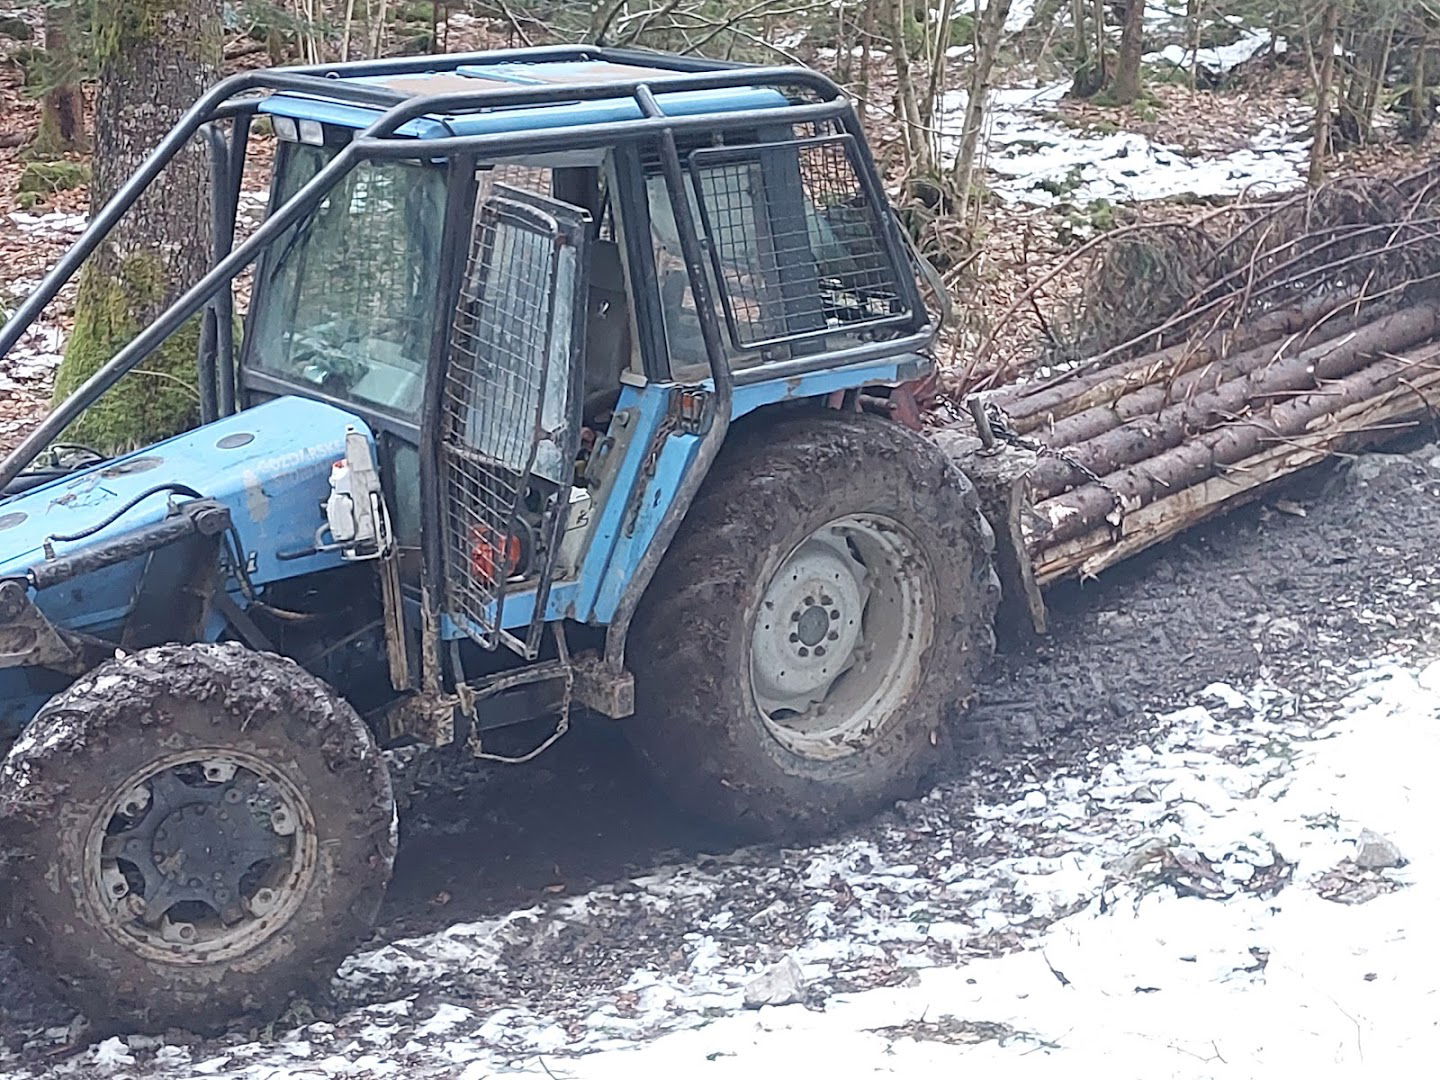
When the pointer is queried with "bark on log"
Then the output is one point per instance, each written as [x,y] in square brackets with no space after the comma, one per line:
[1141,424]
[1032,406]
[1169,388]
[1366,422]
[1068,516]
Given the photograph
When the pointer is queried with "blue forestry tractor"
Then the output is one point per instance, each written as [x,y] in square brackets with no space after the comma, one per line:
[570,378]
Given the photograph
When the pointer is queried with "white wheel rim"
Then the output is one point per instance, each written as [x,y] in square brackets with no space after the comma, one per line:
[837,642]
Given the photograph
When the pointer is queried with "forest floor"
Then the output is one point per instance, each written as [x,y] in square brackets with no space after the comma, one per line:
[1215,860]
[1219,860]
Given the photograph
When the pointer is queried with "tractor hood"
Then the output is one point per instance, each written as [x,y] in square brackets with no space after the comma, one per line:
[269,465]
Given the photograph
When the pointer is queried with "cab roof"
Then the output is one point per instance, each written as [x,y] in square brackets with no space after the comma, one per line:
[509,74]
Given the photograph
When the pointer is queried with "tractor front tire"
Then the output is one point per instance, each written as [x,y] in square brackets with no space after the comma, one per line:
[194,834]
[811,637]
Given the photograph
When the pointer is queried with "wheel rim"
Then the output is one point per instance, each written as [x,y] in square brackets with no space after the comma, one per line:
[838,638]
[200,856]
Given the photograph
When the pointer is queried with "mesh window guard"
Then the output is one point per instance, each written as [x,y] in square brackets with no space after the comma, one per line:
[796,241]
[491,403]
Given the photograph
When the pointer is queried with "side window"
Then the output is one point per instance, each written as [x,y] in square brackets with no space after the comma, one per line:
[798,255]
[677,304]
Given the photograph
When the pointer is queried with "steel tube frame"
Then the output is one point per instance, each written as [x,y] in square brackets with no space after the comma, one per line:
[379,141]
[375,141]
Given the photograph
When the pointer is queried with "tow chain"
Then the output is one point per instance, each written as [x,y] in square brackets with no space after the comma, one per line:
[668,425]
[998,425]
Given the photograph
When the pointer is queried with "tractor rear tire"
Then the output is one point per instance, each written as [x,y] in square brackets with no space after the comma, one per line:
[816,628]
[194,835]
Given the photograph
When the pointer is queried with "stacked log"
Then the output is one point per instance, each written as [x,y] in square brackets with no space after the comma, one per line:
[1132,449]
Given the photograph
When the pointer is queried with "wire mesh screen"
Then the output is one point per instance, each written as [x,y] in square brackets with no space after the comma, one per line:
[490,410]
[796,239]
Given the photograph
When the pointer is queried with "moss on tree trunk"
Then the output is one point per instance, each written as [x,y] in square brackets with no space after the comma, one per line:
[156,57]
[156,399]
[62,110]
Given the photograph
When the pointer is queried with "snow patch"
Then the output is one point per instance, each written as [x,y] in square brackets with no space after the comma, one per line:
[1220,59]
[1038,160]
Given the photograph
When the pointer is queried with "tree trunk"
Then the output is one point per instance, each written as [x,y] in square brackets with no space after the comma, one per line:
[1193,12]
[867,40]
[935,85]
[1082,39]
[989,33]
[1126,85]
[918,145]
[156,57]
[62,109]
[1420,113]
[1324,90]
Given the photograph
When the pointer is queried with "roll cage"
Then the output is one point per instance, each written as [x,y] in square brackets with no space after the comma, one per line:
[815,100]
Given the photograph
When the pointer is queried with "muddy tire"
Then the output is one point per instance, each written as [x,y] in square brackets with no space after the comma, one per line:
[815,629]
[193,835]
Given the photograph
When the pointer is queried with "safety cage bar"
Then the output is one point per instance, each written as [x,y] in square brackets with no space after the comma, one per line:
[774,285]
[238,98]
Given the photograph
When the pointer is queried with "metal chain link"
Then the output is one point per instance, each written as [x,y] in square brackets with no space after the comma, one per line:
[1000,427]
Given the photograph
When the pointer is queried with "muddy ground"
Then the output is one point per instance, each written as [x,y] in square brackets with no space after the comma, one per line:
[1338,564]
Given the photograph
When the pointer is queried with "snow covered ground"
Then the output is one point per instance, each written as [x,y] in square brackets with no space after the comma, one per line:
[1036,159]
[1249,891]
[1218,59]
[26,372]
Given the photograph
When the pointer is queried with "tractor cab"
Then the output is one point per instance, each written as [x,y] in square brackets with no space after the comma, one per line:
[521,317]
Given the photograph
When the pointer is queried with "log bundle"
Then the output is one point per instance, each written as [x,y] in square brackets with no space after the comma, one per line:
[1316,331]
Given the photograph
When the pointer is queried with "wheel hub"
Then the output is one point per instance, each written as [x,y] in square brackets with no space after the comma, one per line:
[809,624]
[836,641]
[195,854]
[203,850]
[814,623]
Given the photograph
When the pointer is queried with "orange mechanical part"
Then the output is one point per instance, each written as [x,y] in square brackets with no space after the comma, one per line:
[494,557]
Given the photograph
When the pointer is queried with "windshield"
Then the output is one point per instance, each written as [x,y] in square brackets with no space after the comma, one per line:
[346,299]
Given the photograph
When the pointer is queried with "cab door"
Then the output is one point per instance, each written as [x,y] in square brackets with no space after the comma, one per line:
[509,410]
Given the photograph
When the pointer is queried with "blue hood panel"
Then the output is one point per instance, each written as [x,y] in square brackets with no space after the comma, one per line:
[270,465]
